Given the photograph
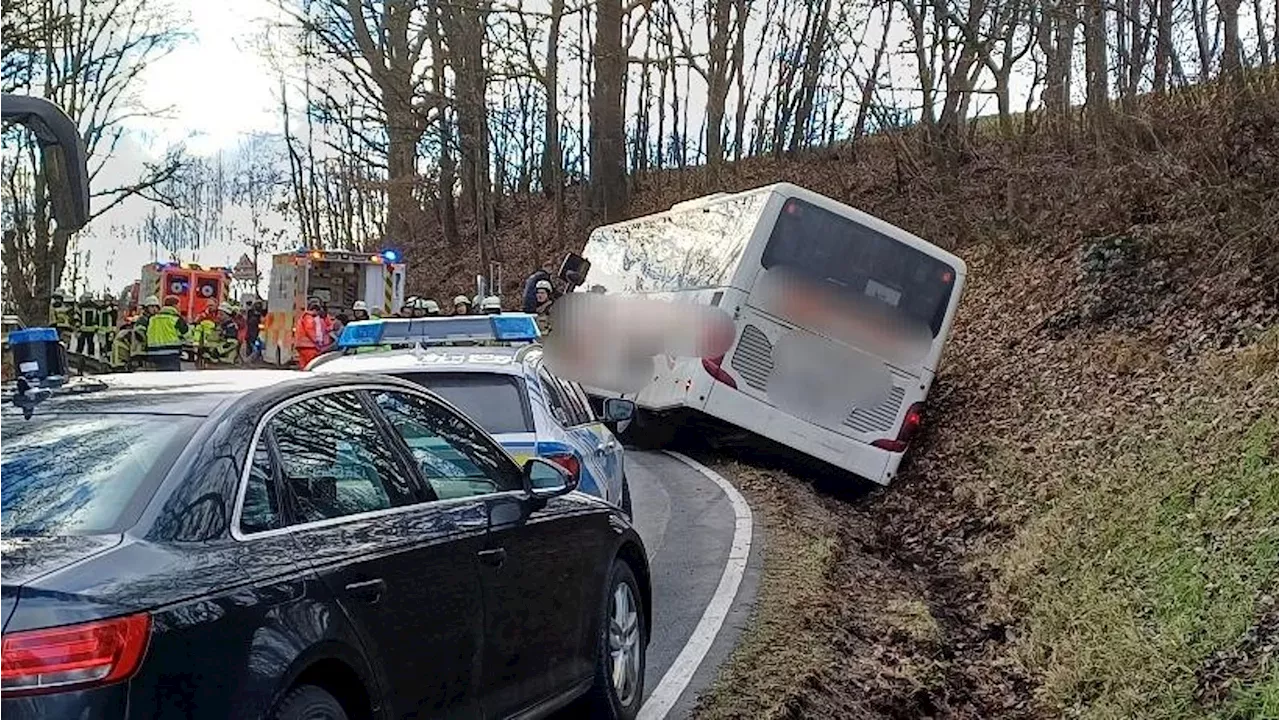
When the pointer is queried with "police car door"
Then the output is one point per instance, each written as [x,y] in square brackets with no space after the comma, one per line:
[585,435]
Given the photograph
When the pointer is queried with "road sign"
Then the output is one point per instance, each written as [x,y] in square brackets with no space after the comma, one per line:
[245,269]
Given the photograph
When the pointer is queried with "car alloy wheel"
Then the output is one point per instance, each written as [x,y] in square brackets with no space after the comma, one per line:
[624,643]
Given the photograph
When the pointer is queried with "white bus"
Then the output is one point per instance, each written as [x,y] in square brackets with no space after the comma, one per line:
[840,319]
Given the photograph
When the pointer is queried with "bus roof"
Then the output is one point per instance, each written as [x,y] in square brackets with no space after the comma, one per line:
[789,190]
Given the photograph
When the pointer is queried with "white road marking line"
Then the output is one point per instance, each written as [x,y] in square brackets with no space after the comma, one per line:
[677,677]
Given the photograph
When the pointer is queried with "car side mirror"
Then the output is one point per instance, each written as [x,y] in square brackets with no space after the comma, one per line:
[544,479]
[618,410]
[574,269]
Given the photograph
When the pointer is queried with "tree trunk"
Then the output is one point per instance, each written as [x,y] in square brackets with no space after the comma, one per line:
[608,136]
[1229,10]
[717,82]
[1164,43]
[551,155]
[446,207]
[1095,62]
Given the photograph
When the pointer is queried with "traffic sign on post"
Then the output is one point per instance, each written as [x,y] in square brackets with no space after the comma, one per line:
[245,269]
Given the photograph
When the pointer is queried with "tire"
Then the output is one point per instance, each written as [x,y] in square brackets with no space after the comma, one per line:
[308,702]
[648,431]
[626,498]
[621,700]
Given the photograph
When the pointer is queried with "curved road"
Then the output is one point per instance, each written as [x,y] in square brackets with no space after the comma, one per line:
[688,524]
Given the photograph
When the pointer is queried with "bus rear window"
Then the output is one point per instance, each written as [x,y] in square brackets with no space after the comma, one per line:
[840,252]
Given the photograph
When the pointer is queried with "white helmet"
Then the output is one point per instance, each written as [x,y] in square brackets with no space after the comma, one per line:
[151,301]
[431,306]
[543,285]
[226,308]
[491,304]
[462,300]
[59,293]
[359,305]
[86,298]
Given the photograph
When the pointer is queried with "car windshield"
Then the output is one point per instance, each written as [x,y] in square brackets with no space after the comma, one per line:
[492,400]
[76,474]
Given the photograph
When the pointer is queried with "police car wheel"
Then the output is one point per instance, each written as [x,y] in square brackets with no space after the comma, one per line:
[626,497]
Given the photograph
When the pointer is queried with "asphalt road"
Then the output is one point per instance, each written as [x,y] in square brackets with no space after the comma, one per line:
[688,525]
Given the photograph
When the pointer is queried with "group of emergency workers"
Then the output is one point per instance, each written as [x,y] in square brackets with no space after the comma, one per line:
[156,335]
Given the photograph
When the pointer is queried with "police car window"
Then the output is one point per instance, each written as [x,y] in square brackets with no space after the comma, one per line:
[575,406]
[555,400]
[455,458]
[260,510]
[581,395]
[335,461]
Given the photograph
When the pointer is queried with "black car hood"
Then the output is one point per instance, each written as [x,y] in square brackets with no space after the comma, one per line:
[23,559]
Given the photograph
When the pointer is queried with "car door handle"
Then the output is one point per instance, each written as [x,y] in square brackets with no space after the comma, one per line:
[493,556]
[366,590]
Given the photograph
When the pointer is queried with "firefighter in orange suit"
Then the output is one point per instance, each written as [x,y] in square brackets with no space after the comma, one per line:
[313,333]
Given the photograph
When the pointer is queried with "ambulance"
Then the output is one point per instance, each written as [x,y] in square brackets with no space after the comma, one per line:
[338,278]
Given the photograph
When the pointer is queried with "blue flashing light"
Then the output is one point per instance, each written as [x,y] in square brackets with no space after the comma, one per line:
[507,327]
[390,255]
[361,333]
[33,335]
[515,327]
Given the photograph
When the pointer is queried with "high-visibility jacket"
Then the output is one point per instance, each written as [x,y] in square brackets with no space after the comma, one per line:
[87,317]
[312,331]
[60,316]
[164,331]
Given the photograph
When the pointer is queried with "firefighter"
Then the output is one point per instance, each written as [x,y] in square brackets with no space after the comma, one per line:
[86,325]
[409,306]
[461,305]
[163,329]
[313,332]
[430,308]
[359,311]
[107,321]
[60,316]
[225,345]
[122,343]
[491,305]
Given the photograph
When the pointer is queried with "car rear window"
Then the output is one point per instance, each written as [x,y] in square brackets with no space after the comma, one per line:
[78,474]
[495,402]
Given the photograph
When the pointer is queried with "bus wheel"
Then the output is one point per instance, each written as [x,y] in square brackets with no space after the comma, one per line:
[649,431]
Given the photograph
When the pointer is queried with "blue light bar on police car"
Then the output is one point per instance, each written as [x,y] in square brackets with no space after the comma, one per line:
[507,327]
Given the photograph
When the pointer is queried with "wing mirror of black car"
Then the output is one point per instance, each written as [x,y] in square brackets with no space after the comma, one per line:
[617,410]
[544,479]
[574,269]
[62,154]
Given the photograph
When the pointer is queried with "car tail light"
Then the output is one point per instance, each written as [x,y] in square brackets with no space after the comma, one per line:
[712,366]
[910,424]
[92,653]
[568,461]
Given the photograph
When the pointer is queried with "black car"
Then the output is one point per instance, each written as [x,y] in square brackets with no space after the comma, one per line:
[260,544]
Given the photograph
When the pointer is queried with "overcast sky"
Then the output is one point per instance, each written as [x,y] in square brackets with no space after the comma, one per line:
[218,90]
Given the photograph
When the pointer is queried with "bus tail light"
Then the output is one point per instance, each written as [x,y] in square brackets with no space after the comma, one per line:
[87,654]
[568,461]
[712,366]
[910,424]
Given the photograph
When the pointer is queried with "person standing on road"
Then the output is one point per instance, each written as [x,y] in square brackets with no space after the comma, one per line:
[253,326]
[542,305]
[164,329]
[60,316]
[430,308]
[359,311]
[491,305]
[311,335]
[461,305]
[86,324]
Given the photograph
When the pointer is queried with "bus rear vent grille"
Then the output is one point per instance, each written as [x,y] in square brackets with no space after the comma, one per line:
[753,360]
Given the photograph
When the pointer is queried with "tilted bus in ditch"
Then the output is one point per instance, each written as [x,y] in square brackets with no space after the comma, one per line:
[840,319]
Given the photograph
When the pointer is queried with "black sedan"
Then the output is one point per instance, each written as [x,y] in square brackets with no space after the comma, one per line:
[259,544]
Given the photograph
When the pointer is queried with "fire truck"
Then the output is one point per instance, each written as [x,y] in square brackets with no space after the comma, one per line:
[338,278]
[199,290]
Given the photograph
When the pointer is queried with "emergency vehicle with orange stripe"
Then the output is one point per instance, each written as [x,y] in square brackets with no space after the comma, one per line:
[338,278]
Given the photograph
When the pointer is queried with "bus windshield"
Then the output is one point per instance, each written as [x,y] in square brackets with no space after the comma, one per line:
[684,249]
[855,260]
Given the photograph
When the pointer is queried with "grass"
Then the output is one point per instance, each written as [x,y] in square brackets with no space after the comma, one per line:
[1156,557]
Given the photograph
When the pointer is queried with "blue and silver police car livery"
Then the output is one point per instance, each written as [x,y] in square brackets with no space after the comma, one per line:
[491,368]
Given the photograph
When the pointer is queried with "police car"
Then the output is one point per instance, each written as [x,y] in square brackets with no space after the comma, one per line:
[491,368]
